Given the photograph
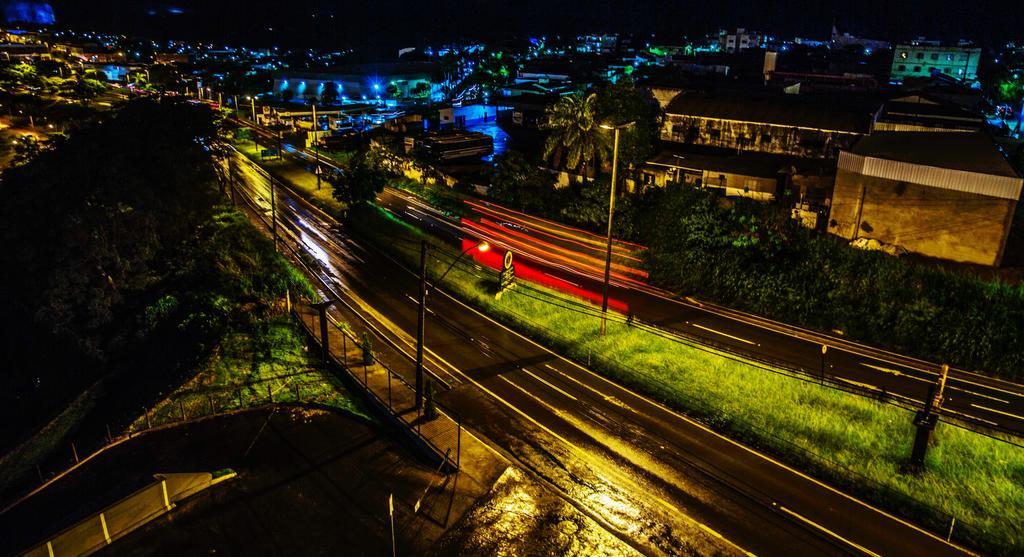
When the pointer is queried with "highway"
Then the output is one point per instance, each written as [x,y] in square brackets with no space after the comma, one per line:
[972,399]
[662,482]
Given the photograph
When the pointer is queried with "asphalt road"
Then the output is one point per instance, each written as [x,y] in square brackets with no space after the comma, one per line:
[656,478]
[970,398]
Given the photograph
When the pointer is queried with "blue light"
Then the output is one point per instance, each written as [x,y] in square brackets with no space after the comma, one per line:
[376,86]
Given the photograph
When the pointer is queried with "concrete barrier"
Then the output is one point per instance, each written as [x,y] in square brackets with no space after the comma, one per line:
[117,520]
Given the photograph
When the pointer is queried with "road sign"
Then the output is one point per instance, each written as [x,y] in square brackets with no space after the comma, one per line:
[507,277]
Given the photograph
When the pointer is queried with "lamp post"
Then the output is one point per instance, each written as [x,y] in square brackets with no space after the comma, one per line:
[253,101]
[611,215]
[421,319]
[316,145]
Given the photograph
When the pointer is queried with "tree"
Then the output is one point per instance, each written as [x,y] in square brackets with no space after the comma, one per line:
[575,132]
[85,89]
[624,102]
[330,94]
[360,184]
[26,148]
[521,182]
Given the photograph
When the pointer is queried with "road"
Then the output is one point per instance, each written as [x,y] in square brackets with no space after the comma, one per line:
[656,478]
[976,400]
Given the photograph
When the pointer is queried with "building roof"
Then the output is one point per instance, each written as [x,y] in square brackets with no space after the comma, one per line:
[957,161]
[968,152]
[832,113]
[760,165]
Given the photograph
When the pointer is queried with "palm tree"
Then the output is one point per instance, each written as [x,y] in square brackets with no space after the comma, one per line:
[575,132]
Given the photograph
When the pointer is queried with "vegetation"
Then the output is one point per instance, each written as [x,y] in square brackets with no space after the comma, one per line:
[575,132]
[752,257]
[361,181]
[853,442]
[129,275]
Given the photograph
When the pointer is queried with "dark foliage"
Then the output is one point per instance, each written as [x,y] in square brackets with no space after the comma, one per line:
[751,257]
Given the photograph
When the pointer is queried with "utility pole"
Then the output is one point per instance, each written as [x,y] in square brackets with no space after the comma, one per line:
[824,350]
[421,323]
[316,145]
[253,100]
[273,211]
[324,335]
[926,419]
[611,215]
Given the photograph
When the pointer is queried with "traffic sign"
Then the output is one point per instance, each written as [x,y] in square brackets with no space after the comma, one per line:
[507,277]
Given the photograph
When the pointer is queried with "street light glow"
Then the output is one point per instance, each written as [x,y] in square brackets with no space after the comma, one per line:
[483,247]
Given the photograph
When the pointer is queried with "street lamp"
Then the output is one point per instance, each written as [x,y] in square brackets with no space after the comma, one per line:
[316,145]
[611,214]
[482,247]
[253,101]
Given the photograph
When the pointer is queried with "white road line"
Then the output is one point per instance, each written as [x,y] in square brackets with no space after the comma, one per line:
[710,330]
[1014,416]
[975,393]
[810,522]
[896,372]
[549,384]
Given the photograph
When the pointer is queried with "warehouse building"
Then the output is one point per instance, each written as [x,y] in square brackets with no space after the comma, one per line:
[944,195]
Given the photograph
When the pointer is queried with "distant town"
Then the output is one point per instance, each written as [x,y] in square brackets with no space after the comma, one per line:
[583,294]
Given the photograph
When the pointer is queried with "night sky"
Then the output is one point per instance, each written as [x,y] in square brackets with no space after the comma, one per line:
[385,24]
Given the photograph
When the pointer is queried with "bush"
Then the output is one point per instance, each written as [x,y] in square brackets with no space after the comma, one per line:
[751,257]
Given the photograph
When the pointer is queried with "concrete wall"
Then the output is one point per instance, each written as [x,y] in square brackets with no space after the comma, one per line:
[936,222]
[753,136]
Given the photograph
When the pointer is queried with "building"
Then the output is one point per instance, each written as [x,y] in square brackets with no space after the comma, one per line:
[405,81]
[804,126]
[741,39]
[922,112]
[843,40]
[759,176]
[945,195]
[923,60]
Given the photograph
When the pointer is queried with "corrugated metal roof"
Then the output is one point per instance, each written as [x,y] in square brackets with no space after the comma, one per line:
[1003,187]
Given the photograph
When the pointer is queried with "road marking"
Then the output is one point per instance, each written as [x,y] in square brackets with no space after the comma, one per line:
[701,426]
[607,398]
[968,416]
[1014,416]
[669,411]
[806,520]
[975,393]
[896,372]
[709,329]
[542,380]
[556,411]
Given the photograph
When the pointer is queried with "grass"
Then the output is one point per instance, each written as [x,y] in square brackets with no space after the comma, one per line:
[297,176]
[269,363]
[856,443]
[17,464]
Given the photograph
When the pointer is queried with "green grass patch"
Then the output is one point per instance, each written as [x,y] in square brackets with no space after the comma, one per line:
[297,176]
[270,362]
[856,443]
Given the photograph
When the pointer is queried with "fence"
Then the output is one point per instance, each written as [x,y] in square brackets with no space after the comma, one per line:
[101,529]
[385,387]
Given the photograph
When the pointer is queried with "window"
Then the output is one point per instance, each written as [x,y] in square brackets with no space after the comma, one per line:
[920,56]
[935,56]
[647,178]
[766,138]
[917,69]
[965,57]
[902,67]
[949,57]
[946,71]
